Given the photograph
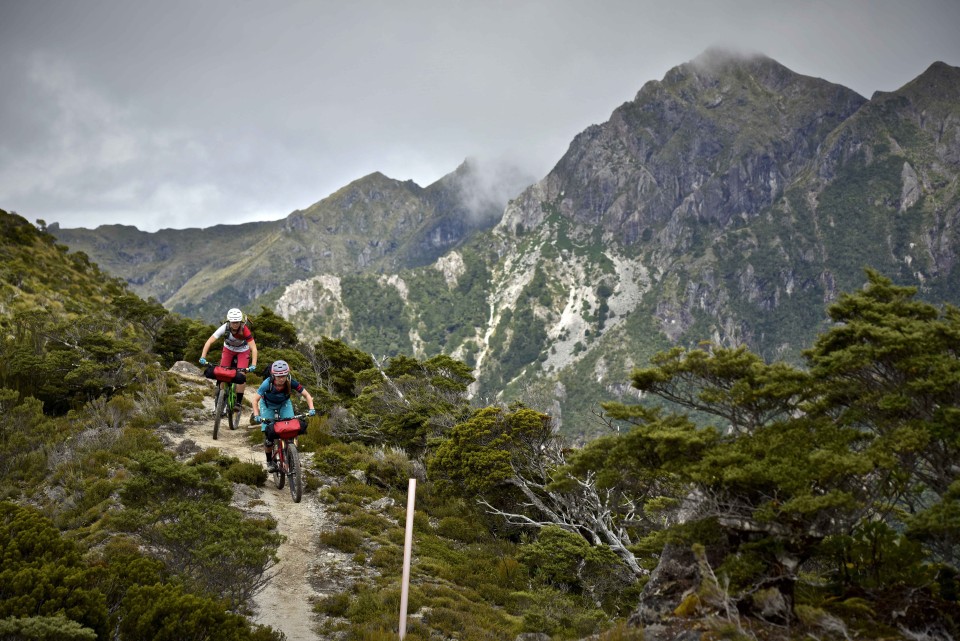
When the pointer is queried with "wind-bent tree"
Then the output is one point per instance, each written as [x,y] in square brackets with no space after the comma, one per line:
[775,468]
[512,461]
[182,514]
[408,402]
[336,365]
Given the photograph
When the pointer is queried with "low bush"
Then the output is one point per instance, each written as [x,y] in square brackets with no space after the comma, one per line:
[331,461]
[560,615]
[459,529]
[318,435]
[388,558]
[52,628]
[211,455]
[251,474]
[390,469]
[351,491]
[335,605]
[370,523]
[345,539]
[368,605]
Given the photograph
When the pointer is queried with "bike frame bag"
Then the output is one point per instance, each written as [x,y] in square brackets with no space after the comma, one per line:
[225,374]
[288,428]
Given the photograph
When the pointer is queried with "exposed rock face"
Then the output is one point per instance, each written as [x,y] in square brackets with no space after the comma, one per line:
[452,267]
[705,173]
[676,575]
[716,139]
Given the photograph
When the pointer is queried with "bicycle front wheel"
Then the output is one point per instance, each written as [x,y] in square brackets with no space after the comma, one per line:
[296,472]
[232,418]
[218,411]
[280,476]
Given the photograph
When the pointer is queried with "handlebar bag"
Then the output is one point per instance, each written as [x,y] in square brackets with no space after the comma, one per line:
[290,427]
[225,374]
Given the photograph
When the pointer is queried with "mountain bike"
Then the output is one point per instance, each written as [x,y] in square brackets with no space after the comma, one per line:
[224,400]
[285,454]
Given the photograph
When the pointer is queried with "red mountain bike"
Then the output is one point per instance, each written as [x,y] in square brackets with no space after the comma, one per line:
[285,453]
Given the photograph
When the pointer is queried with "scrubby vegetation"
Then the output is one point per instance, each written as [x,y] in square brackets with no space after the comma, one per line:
[818,501]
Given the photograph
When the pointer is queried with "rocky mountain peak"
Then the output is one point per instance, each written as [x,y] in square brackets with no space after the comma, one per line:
[919,122]
[717,139]
[939,81]
[739,184]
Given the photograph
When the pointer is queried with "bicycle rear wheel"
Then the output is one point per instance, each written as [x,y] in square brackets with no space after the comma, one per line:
[296,472]
[221,401]
[280,476]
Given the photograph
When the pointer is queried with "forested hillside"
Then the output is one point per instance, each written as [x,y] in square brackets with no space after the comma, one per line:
[739,499]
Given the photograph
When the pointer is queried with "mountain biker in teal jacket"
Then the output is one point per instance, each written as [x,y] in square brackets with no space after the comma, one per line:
[238,346]
[272,401]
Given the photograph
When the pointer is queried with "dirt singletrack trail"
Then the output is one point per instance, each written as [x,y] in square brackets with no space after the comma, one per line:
[286,603]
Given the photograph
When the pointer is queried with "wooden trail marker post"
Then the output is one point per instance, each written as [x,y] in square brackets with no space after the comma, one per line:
[407,549]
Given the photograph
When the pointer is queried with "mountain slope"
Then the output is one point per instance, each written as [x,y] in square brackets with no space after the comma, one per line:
[750,195]
[897,162]
[716,138]
[728,202]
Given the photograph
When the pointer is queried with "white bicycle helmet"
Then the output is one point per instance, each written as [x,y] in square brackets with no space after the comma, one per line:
[234,316]
[280,368]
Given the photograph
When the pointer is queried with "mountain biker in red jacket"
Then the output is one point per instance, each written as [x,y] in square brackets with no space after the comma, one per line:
[238,347]
[272,400]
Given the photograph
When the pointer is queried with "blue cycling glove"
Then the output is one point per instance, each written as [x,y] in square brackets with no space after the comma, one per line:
[312,413]
[256,419]
[251,368]
[203,361]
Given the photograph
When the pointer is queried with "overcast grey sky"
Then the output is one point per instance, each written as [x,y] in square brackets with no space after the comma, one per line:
[190,113]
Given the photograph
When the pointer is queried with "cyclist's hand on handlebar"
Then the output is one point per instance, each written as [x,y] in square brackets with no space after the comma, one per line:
[203,361]
[312,412]
[257,419]
[251,368]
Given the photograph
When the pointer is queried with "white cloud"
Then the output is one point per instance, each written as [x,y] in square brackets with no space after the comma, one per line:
[182,113]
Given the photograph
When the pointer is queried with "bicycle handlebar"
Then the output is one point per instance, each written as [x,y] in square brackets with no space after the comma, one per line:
[264,419]
[239,369]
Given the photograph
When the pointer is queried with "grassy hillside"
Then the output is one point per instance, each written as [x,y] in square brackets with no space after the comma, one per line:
[36,272]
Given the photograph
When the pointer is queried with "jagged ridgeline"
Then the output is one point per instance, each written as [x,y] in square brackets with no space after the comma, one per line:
[729,202]
[373,225]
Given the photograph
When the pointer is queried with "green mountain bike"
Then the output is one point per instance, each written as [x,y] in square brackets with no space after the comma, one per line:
[224,401]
